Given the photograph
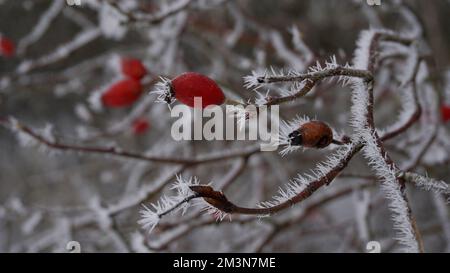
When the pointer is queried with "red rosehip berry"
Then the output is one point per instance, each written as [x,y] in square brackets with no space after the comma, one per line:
[123,93]
[140,126]
[189,85]
[445,113]
[7,47]
[133,68]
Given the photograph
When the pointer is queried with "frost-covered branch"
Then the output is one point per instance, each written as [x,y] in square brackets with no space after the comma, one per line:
[145,19]
[297,191]
[427,183]
[309,80]
[399,107]
[29,135]
[334,71]
[280,226]
[60,53]
[41,27]
[380,161]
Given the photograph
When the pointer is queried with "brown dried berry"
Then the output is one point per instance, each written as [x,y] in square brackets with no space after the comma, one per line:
[312,134]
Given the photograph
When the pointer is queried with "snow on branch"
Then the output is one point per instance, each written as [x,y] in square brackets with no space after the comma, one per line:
[286,128]
[141,19]
[63,51]
[169,204]
[296,191]
[324,172]
[379,160]
[303,83]
[28,135]
[317,72]
[387,172]
[217,204]
[427,183]
[42,25]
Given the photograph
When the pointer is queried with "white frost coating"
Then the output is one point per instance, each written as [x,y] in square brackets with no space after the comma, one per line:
[83,38]
[73,85]
[139,110]
[83,112]
[415,27]
[95,100]
[151,216]
[23,138]
[261,98]
[114,64]
[436,153]
[48,134]
[137,243]
[446,92]
[408,102]
[27,140]
[166,237]
[408,109]
[360,96]
[442,212]
[330,64]
[361,200]
[217,214]
[53,238]
[391,188]
[167,8]
[251,81]
[238,28]
[260,78]
[387,174]
[287,127]
[162,91]
[111,22]
[15,204]
[299,184]
[410,66]
[78,18]
[300,46]
[244,116]
[42,25]
[285,53]
[182,187]
[102,216]
[427,183]
[30,224]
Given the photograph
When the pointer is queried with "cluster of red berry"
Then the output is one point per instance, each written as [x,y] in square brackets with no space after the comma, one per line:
[126,91]
[184,88]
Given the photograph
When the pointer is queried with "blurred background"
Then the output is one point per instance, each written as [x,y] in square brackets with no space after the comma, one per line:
[63,56]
